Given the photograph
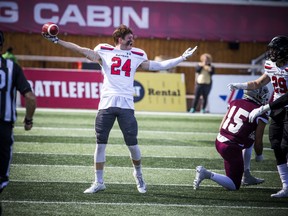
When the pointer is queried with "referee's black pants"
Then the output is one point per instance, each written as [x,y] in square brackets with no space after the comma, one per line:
[6,142]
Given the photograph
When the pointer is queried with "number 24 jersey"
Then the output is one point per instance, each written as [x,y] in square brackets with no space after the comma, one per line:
[119,68]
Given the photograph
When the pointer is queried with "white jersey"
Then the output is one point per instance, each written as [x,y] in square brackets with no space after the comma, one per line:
[119,68]
[278,77]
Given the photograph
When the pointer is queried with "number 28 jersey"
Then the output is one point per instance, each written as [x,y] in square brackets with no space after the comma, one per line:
[119,68]
[278,77]
[236,128]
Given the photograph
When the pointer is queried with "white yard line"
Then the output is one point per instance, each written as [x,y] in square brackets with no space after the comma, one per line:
[127,183]
[136,112]
[114,183]
[114,167]
[92,129]
[115,145]
[110,155]
[142,204]
[107,155]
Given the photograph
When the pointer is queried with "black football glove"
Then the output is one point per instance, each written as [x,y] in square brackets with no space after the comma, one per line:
[53,39]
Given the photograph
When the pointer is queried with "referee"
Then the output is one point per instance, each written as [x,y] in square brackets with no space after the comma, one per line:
[12,79]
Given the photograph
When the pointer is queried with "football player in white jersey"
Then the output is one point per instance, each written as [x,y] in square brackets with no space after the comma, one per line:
[119,64]
[276,72]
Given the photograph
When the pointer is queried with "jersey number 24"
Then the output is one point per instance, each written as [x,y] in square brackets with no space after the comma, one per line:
[117,67]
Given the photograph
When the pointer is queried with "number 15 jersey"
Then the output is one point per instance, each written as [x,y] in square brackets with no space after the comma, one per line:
[236,128]
[119,68]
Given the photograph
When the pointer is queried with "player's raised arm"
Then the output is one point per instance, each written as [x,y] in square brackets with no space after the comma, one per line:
[251,85]
[170,63]
[88,53]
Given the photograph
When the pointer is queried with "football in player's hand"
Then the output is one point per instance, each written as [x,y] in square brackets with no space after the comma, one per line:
[50,28]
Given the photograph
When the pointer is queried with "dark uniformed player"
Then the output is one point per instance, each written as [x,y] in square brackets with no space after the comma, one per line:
[237,133]
[12,80]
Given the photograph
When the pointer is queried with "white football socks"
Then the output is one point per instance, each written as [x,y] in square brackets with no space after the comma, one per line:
[223,180]
[99,176]
[138,169]
[283,173]
[247,153]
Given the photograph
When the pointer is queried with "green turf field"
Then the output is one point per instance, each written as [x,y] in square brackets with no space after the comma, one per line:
[53,165]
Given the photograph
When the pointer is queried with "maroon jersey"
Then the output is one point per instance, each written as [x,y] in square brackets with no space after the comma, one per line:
[236,127]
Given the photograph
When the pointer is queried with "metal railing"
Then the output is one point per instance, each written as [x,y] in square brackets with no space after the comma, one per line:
[249,67]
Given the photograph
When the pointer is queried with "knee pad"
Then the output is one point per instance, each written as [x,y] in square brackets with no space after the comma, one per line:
[102,137]
[129,128]
[130,138]
[135,153]
[99,155]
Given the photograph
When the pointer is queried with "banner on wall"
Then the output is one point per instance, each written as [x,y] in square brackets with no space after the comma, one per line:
[220,95]
[149,19]
[160,92]
[80,89]
[55,88]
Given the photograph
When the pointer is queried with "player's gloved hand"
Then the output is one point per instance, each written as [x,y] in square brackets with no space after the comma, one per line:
[259,158]
[53,39]
[189,52]
[28,124]
[233,86]
[255,113]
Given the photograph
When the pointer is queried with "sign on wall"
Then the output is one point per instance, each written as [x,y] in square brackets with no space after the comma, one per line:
[160,92]
[149,19]
[80,89]
[55,88]
[220,95]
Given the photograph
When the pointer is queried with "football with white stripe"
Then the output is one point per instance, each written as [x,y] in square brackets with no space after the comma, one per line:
[50,28]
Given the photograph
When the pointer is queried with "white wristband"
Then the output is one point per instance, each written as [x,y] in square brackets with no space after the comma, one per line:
[266,108]
[244,85]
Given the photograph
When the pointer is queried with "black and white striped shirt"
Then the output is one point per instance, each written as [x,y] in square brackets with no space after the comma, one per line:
[12,79]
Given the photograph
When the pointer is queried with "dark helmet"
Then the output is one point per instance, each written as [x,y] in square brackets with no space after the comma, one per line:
[1,38]
[277,49]
[260,96]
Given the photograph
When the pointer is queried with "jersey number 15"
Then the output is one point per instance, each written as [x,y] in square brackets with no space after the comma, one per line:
[234,121]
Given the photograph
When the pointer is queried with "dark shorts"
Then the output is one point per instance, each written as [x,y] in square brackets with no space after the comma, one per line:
[127,122]
[233,161]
